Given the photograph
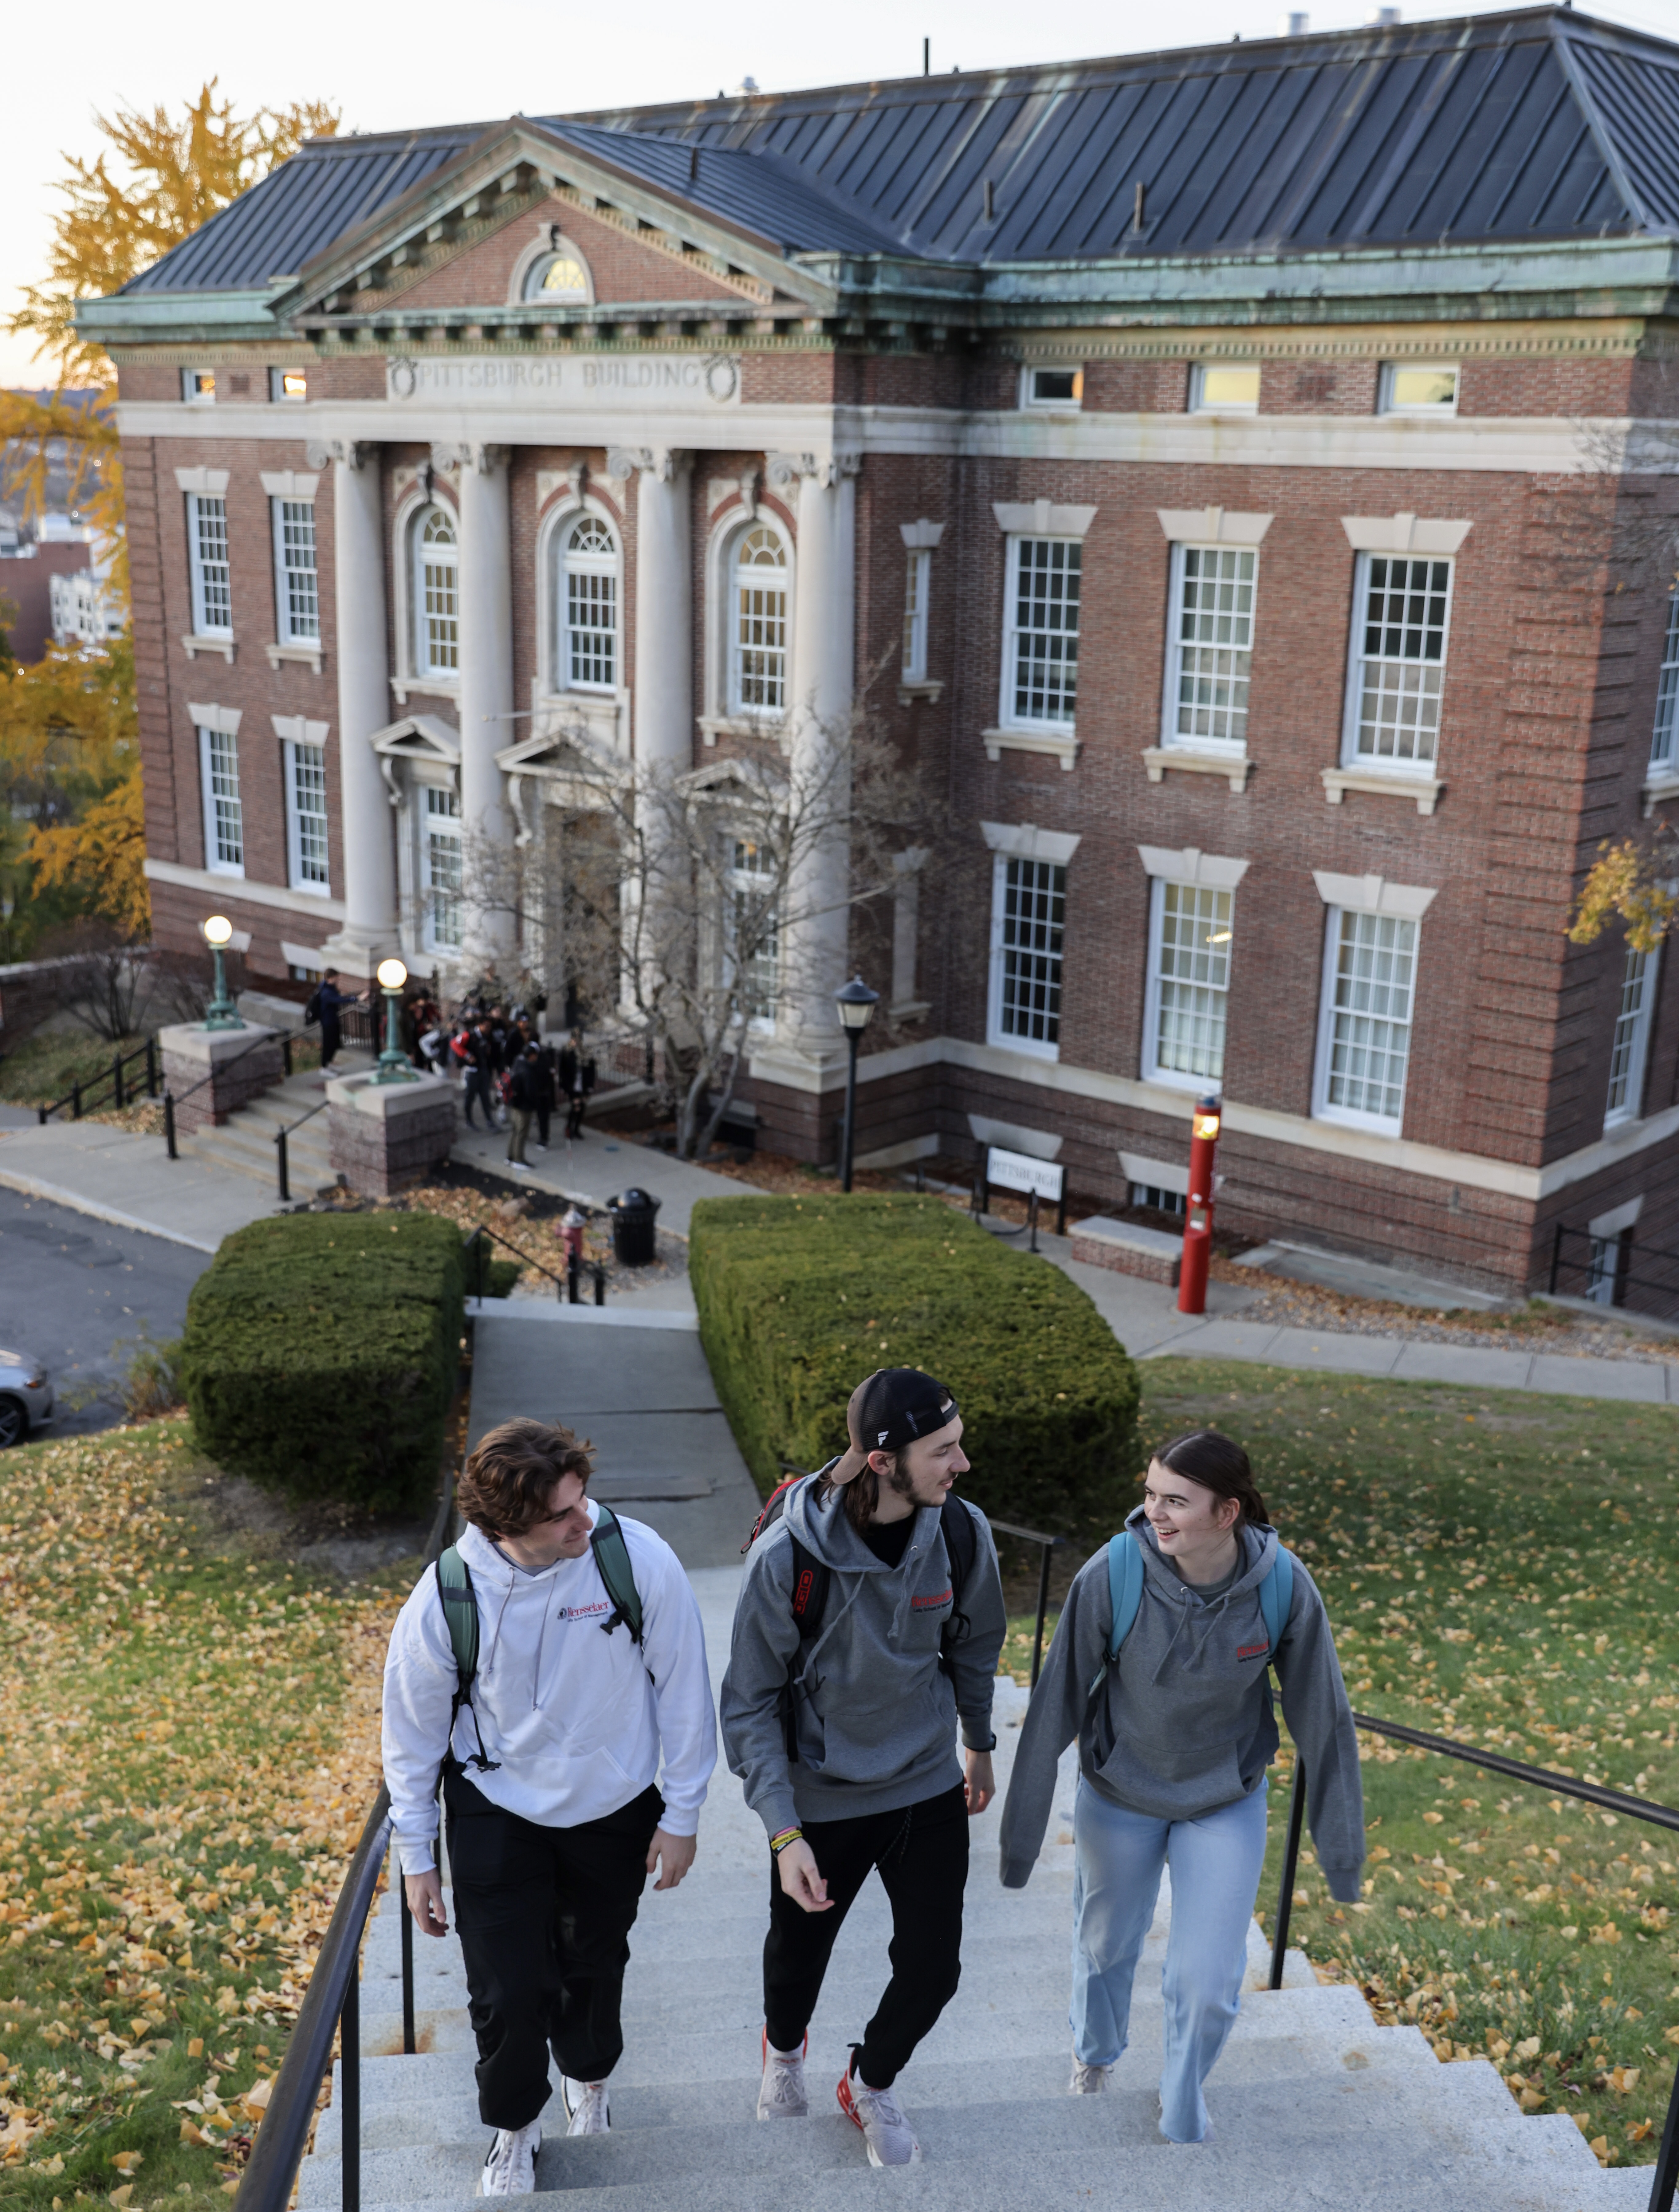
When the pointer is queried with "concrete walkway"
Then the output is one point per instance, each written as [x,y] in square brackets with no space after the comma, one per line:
[597,1166]
[131,1181]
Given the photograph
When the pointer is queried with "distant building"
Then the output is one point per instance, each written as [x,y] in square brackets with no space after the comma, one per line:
[34,563]
[84,609]
[1204,442]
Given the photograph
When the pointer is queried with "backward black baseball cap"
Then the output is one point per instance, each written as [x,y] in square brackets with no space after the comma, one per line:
[888,1410]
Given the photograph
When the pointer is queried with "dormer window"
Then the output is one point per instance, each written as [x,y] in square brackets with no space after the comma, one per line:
[557,276]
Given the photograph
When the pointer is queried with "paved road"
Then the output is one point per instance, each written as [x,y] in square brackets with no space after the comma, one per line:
[82,1297]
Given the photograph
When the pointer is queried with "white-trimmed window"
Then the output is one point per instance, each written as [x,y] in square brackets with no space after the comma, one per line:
[1041,632]
[1365,1036]
[1028,922]
[224,811]
[1605,1256]
[1402,611]
[559,277]
[297,577]
[917,586]
[1212,589]
[289,386]
[1062,388]
[1409,388]
[1630,1046]
[1225,388]
[758,623]
[198,387]
[207,565]
[588,609]
[752,930]
[1191,931]
[1664,738]
[307,869]
[440,869]
[436,594]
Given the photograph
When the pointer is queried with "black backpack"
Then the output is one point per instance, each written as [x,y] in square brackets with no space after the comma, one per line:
[312,1005]
[461,1612]
[811,1578]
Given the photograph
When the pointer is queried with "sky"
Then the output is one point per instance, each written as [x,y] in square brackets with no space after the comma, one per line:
[432,63]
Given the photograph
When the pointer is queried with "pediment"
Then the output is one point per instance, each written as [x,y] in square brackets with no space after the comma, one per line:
[453,243]
[418,737]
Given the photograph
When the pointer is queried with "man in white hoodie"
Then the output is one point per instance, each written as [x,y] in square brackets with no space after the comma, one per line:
[550,1775]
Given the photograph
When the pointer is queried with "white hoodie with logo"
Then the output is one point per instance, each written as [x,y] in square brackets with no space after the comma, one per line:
[576,1719]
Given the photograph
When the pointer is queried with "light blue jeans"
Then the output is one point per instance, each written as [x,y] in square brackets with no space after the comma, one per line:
[1216,1864]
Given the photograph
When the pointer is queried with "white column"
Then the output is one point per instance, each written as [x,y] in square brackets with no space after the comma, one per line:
[664,702]
[487,725]
[369,929]
[824,594]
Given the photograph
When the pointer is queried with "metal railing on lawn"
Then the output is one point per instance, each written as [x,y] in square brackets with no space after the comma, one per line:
[332,2004]
[567,1287]
[1046,1544]
[83,1098]
[282,1156]
[1665,2173]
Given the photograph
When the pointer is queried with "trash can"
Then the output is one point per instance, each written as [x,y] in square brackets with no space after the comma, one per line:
[634,1214]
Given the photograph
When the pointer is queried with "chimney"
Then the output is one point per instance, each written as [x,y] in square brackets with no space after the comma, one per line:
[1294,25]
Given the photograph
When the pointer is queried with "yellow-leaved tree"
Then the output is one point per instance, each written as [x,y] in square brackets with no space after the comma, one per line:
[68,723]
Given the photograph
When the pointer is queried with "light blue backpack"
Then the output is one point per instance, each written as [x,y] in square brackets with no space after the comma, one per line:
[1125,1577]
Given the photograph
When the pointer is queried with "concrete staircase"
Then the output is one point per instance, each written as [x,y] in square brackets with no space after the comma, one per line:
[1313,2105]
[245,1141]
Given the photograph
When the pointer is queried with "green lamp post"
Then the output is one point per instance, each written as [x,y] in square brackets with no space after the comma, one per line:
[221,1013]
[393,1061]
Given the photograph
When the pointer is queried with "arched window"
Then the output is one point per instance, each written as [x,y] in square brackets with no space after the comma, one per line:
[436,594]
[589,608]
[757,624]
[557,276]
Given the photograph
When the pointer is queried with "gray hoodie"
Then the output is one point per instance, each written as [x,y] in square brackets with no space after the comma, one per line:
[875,1717]
[1185,1722]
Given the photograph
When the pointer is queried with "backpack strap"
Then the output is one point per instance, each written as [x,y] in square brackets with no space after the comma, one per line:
[612,1558]
[1125,1580]
[461,1616]
[774,1506]
[956,1526]
[811,1578]
[1276,1599]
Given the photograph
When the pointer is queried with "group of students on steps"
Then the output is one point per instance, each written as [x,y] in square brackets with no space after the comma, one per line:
[575,1763]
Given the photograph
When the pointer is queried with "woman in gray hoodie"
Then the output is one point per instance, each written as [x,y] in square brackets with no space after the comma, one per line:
[1174,1736]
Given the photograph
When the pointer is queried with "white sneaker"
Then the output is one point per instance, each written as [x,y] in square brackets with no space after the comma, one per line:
[586,2106]
[510,2170]
[519,1167]
[887,2134]
[1088,2081]
[781,2093]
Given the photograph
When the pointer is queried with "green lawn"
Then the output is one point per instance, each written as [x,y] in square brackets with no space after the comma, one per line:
[191,1744]
[1501,1569]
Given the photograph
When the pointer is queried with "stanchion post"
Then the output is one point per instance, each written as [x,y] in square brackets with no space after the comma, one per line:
[349,2061]
[169,1124]
[1291,1860]
[281,1165]
[1043,1608]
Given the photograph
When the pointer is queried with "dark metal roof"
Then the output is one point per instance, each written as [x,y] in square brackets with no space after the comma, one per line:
[1542,124]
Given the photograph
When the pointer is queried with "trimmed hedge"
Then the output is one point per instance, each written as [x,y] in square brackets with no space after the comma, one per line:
[800,1298]
[320,1354]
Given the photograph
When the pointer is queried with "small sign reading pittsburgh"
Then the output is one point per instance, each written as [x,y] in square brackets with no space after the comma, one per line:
[1020,1171]
[680,381]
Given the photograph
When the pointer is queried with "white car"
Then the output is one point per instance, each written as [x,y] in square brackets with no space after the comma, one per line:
[25,1396]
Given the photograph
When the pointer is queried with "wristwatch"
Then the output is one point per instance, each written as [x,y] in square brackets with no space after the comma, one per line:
[991,1746]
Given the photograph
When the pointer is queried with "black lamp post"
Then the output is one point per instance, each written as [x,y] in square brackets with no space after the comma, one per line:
[855,1003]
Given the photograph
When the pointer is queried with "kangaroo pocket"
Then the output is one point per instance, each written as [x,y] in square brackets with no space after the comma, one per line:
[1168,1776]
[903,1727]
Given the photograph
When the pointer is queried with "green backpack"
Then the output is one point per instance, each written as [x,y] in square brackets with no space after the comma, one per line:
[460,1611]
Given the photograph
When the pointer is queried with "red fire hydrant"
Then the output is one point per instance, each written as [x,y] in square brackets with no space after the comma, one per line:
[572,1225]
[1198,1220]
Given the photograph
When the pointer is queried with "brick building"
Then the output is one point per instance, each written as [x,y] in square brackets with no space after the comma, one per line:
[1249,460]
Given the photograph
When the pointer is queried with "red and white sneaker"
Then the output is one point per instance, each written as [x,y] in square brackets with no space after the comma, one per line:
[781,2094]
[887,2135]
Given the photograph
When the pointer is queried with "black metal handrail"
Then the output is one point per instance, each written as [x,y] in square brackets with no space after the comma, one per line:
[1665,2173]
[566,1286]
[1003,1528]
[1621,1273]
[332,2002]
[171,1101]
[77,1098]
[282,1161]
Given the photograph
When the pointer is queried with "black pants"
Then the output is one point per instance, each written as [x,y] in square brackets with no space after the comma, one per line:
[574,1114]
[544,1916]
[543,1112]
[922,1851]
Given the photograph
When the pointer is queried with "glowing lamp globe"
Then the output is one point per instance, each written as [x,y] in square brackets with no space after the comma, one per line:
[392,974]
[218,931]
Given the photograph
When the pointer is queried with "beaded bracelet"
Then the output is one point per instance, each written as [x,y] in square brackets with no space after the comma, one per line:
[778,1843]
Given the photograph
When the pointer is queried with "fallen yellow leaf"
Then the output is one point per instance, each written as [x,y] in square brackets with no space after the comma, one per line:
[119,2196]
[128,2162]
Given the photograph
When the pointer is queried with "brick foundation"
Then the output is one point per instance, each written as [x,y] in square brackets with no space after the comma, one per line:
[213,1072]
[386,1137]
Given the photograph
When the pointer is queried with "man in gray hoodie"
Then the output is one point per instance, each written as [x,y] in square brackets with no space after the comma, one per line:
[843,1727]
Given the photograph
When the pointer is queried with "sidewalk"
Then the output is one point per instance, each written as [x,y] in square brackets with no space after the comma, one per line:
[131,1181]
[597,1167]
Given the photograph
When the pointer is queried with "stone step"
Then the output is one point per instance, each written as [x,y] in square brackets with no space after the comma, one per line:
[436,2101]
[1079,2153]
